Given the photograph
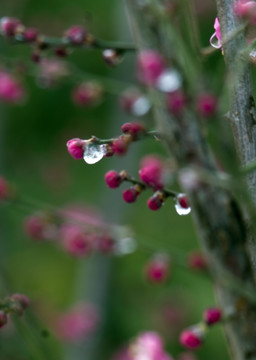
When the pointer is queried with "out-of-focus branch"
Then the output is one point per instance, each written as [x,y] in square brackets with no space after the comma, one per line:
[218,219]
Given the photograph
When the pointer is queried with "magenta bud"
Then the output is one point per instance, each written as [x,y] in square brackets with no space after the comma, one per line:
[113,179]
[30,34]
[135,129]
[150,65]
[212,315]
[156,201]
[76,147]
[8,26]
[191,338]
[120,145]
[130,195]
[206,104]
[76,34]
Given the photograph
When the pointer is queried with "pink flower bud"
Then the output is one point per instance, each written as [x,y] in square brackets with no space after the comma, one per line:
[10,90]
[22,299]
[151,172]
[76,34]
[197,260]
[212,315]
[120,145]
[183,201]
[150,65]
[158,269]
[75,240]
[206,104]
[4,189]
[156,201]
[130,195]
[176,102]
[105,244]
[113,179]
[191,338]
[87,94]
[30,34]
[76,147]
[135,129]
[8,26]
[245,9]
[3,318]
[34,227]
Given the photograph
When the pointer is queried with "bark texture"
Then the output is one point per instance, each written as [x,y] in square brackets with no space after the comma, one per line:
[218,219]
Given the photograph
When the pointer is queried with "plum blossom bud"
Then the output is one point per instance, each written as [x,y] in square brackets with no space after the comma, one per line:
[34,226]
[176,102]
[158,268]
[212,315]
[197,261]
[192,338]
[150,65]
[8,26]
[75,240]
[206,104]
[77,323]
[156,201]
[30,34]
[76,35]
[246,10]
[10,90]
[3,318]
[51,71]
[22,299]
[76,147]
[151,172]
[113,179]
[130,195]
[120,144]
[87,93]
[182,205]
[135,129]
[4,189]
[148,345]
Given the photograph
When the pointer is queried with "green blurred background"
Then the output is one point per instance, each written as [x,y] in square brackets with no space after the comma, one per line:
[33,156]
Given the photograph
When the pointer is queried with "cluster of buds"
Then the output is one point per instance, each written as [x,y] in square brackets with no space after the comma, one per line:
[14,304]
[193,337]
[12,28]
[94,149]
[76,324]
[78,231]
[151,175]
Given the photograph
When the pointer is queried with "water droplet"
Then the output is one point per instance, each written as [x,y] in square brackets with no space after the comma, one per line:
[94,152]
[141,106]
[169,81]
[182,205]
[214,41]
[125,246]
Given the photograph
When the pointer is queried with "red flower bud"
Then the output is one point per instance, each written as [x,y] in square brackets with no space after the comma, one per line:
[113,179]
[212,316]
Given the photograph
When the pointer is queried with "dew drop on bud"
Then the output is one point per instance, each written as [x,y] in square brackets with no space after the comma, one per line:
[169,81]
[94,153]
[141,106]
[182,205]
[125,246]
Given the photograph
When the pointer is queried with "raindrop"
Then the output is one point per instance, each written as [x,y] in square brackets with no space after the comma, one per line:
[94,152]
[214,41]
[182,205]
[141,106]
[125,246]
[169,81]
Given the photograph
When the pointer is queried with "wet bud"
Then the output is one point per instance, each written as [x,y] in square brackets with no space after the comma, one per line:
[8,26]
[182,205]
[76,147]
[156,201]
